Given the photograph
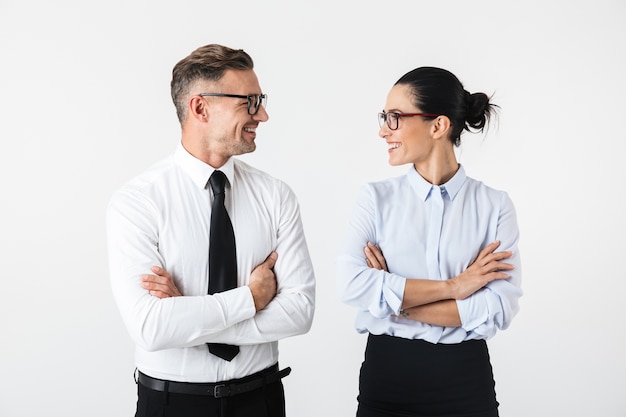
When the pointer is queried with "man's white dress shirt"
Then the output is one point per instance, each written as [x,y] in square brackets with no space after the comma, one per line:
[162,217]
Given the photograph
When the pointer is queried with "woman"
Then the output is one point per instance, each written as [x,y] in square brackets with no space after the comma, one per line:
[430,260]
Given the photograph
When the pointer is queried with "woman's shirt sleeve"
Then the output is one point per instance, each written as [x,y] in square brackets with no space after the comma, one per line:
[493,307]
[378,292]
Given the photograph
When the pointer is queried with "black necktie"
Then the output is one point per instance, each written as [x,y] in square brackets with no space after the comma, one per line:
[222,255]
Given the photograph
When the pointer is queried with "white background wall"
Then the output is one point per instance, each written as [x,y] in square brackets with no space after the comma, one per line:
[84,106]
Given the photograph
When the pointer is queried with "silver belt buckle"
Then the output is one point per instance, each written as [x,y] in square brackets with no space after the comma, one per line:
[221,390]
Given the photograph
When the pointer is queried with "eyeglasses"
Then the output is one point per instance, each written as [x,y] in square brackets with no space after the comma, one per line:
[392,118]
[254,100]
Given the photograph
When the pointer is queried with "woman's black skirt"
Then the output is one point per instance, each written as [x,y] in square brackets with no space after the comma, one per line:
[413,378]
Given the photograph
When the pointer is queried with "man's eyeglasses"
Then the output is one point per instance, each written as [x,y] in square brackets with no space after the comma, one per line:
[392,118]
[254,100]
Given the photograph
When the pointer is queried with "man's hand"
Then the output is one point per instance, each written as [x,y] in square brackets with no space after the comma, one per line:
[160,285]
[486,268]
[263,282]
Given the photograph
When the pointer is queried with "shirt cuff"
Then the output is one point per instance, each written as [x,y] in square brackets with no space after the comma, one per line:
[392,296]
[238,305]
[473,311]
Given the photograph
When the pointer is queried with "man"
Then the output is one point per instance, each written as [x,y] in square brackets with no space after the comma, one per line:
[159,231]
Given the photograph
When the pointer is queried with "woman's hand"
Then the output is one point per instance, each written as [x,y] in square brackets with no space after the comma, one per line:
[486,267]
[160,285]
[374,257]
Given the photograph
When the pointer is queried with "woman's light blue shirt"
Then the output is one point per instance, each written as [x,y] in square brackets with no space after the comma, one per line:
[429,232]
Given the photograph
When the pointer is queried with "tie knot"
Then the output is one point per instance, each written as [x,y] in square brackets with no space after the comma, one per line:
[218,182]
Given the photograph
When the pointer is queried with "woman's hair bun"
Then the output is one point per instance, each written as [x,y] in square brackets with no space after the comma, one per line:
[478,110]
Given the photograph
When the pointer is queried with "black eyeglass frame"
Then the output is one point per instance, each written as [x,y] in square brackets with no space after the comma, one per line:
[385,117]
[253,106]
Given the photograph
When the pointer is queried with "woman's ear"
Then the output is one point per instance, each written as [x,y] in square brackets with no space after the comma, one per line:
[440,127]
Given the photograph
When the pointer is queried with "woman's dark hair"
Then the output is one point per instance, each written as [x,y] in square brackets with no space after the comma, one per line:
[438,91]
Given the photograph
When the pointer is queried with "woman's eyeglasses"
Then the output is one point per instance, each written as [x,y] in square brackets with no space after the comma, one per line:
[392,118]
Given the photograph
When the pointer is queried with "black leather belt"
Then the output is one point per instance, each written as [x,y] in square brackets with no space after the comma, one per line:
[218,389]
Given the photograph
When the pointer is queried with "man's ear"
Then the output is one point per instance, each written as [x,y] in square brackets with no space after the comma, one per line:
[198,109]
[440,127]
